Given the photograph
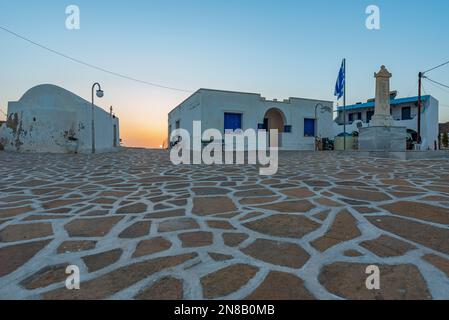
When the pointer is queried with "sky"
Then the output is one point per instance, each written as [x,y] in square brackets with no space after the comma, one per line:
[278,48]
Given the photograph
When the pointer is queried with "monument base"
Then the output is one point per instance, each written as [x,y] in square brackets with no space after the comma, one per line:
[381,120]
[381,138]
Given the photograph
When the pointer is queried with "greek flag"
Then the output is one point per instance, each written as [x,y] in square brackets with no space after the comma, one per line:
[340,85]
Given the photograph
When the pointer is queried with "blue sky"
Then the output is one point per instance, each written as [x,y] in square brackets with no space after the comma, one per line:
[276,48]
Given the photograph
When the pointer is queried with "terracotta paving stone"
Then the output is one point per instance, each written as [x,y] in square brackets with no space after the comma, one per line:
[204,206]
[397,282]
[439,262]
[403,194]
[361,194]
[220,224]
[289,206]
[420,211]
[229,215]
[228,208]
[251,215]
[133,208]
[396,182]
[114,281]
[322,215]
[101,260]
[234,239]
[328,202]
[12,257]
[178,203]
[20,232]
[104,200]
[278,253]
[32,183]
[258,200]
[95,227]
[178,225]
[76,246]
[137,230]
[429,236]
[317,183]
[435,198]
[254,193]
[219,256]
[298,193]
[45,277]
[59,203]
[167,288]
[283,225]
[354,202]
[281,286]
[166,214]
[352,253]
[45,217]
[386,246]
[344,228]
[150,246]
[227,280]
[210,191]
[196,239]
[11,212]
[365,210]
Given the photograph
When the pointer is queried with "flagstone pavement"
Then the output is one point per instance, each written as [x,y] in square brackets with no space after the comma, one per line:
[139,227]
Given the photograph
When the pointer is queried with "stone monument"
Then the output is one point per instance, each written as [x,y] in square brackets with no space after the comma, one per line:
[382,135]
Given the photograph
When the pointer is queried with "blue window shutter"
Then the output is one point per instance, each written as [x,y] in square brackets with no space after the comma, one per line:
[309,127]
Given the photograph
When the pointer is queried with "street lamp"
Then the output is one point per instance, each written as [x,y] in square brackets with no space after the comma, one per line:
[100,94]
[316,124]
[323,109]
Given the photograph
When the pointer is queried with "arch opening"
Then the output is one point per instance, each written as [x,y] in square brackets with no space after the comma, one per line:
[274,119]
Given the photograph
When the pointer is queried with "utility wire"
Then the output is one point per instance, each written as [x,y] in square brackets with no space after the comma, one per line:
[443,64]
[438,87]
[436,82]
[91,65]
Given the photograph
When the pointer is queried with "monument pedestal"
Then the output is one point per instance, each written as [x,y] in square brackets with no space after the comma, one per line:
[383,138]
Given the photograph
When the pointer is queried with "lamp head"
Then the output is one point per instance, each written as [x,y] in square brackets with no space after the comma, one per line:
[100,93]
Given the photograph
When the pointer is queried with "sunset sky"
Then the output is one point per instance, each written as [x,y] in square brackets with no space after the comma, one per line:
[276,48]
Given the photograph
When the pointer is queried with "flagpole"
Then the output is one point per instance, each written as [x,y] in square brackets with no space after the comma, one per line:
[344,105]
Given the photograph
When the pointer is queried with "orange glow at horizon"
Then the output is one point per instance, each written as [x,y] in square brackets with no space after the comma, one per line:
[142,136]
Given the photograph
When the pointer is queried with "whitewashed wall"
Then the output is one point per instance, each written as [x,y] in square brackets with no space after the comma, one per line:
[44,118]
[209,106]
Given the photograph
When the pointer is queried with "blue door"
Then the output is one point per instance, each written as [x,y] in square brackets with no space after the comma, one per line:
[232,121]
[309,127]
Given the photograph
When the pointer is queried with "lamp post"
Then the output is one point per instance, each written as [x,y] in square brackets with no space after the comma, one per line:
[316,123]
[100,94]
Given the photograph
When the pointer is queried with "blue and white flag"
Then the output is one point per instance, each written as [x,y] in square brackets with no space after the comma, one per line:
[340,85]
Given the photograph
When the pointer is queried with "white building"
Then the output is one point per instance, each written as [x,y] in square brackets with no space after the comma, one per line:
[404,112]
[50,119]
[298,120]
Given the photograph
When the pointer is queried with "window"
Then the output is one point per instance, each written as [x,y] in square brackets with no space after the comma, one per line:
[287,129]
[355,116]
[178,124]
[309,127]
[406,113]
[369,115]
[232,121]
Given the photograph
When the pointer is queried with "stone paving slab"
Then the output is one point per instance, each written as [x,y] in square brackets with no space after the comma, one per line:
[139,227]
